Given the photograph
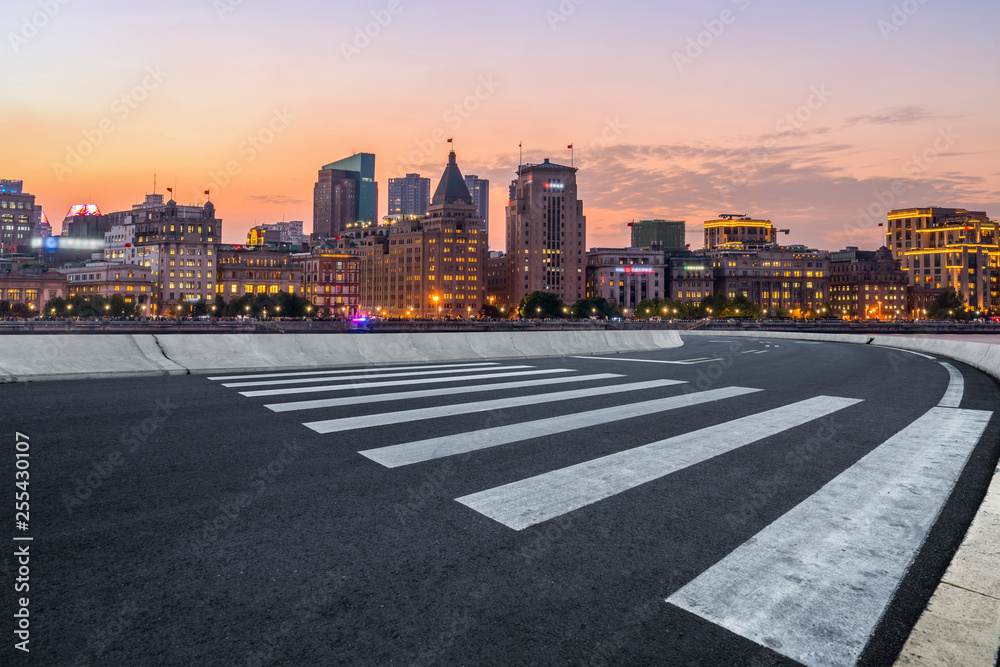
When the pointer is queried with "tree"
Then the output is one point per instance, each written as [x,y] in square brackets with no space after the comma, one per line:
[649,308]
[121,308]
[949,305]
[199,308]
[22,310]
[55,307]
[541,304]
[744,307]
[291,305]
[595,307]
[489,311]
[4,308]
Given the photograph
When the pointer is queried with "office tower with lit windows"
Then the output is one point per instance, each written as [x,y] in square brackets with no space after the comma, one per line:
[345,196]
[408,196]
[546,233]
[735,230]
[17,217]
[947,247]
[479,188]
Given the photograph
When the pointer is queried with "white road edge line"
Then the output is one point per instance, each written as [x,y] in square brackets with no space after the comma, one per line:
[685,362]
[536,499]
[919,354]
[956,388]
[814,584]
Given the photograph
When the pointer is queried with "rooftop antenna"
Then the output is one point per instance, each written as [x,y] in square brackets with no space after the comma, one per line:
[154,182]
[520,156]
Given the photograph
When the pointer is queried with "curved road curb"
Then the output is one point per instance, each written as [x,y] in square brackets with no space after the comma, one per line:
[961,624]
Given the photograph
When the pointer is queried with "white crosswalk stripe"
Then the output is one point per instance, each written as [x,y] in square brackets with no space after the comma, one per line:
[814,584]
[462,443]
[366,399]
[373,369]
[365,376]
[385,418]
[536,499]
[355,386]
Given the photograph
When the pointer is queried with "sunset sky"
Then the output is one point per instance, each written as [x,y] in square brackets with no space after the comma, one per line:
[800,112]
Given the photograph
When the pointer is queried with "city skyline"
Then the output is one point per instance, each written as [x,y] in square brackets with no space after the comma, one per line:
[693,119]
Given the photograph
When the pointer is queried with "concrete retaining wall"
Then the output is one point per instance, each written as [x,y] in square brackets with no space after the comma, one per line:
[25,358]
[860,339]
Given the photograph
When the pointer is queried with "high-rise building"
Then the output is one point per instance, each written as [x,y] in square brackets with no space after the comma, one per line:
[948,247]
[546,233]
[179,244]
[669,234]
[867,285]
[738,230]
[345,196]
[409,195]
[479,188]
[430,266]
[17,217]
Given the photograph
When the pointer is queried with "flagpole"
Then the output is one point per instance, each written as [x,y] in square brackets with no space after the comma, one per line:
[520,156]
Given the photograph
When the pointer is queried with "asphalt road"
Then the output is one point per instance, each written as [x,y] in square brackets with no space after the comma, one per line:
[763,503]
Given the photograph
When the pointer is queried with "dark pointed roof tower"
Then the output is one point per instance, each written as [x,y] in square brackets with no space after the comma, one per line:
[452,188]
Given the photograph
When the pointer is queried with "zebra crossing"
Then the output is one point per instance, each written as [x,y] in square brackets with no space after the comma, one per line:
[812,585]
